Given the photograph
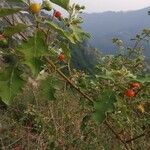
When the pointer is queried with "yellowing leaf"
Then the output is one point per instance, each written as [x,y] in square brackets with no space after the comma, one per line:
[140,107]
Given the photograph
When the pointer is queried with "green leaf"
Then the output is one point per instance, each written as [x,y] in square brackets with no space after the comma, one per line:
[107,77]
[103,105]
[142,79]
[11,30]
[10,84]
[8,11]
[16,1]
[84,122]
[65,34]
[47,88]
[79,34]
[33,50]
[62,3]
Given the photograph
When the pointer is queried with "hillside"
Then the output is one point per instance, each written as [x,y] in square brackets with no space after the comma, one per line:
[104,26]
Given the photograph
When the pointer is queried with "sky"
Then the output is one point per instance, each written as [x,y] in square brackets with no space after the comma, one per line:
[111,5]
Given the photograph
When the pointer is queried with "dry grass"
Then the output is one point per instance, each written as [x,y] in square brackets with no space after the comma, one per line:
[46,125]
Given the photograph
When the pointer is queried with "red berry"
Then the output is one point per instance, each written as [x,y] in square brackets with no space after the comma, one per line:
[61,57]
[136,85]
[57,14]
[130,93]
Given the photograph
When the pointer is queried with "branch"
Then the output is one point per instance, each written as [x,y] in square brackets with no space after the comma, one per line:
[117,136]
[137,137]
[15,142]
[68,80]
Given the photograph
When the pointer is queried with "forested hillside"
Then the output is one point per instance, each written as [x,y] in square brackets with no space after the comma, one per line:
[124,25]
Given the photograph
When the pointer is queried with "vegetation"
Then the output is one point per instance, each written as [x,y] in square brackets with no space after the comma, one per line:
[47,104]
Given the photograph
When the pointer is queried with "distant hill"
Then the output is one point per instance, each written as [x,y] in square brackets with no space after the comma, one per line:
[125,25]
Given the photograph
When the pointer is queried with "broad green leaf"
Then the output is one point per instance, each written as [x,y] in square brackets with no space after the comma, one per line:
[33,50]
[11,30]
[62,3]
[47,89]
[79,34]
[11,84]
[103,105]
[49,86]
[8,11]
[65,34]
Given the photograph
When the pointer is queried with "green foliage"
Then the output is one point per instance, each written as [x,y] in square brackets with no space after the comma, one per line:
[144,79]
[79,34]
[11,83]
[65,34]
[11,30]
[16,1]
[8,11]
[33,50]
[63,3]
[66,50]
[103,105]
[48,87]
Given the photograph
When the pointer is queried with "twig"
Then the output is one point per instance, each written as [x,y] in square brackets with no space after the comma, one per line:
[2,144]
[14,142]
[117,136]
[68,80]
[135,138]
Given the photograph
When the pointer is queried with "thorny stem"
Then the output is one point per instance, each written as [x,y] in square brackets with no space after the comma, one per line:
[68,80]
[137,137]
[117,136]
[10,145]
[2,144]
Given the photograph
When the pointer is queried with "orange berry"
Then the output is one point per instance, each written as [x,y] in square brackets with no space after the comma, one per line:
[35,8]
[61,57]
[136,85]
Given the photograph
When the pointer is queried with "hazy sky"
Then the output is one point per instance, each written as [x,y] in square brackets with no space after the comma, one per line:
[114,5]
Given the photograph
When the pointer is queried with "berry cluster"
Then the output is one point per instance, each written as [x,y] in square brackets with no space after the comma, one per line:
[132,92]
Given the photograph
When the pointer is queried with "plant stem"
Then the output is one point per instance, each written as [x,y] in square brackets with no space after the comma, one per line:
[135,138]
[117,136]
[68,80]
